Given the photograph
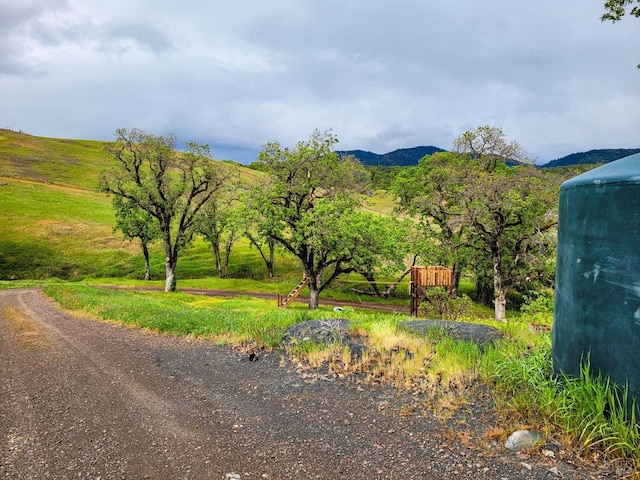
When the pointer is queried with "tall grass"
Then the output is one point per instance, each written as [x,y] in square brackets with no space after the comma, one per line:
[588,411]
[600,416]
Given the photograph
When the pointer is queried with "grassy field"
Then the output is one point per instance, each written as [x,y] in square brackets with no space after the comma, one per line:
[57,232]
[55,224]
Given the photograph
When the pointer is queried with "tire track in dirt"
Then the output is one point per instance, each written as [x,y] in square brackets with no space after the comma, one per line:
[101,367]
[99,400]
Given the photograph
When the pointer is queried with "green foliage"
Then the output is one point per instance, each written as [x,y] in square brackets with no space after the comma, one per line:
[441,305]
[172,188]
[538,306]
[220,221]
[134,222]
[481,214]
[310,207]
[616,9]
[490,146]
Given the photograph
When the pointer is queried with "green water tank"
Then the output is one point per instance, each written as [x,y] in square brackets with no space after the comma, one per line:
[597,297]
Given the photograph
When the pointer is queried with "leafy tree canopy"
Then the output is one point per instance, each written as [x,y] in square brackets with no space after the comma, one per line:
[170,186]
[309,206]
[616,9]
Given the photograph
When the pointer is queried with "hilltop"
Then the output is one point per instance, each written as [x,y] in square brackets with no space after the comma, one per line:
[592,157]
[402,157]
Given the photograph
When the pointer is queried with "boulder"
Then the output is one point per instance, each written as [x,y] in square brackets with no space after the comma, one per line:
[319,331]
[469,332]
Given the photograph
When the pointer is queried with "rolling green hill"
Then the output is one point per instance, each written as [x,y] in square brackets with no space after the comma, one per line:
[55,224]
[49,160]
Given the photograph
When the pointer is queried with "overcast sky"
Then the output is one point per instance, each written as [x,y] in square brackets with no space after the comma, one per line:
[383,75]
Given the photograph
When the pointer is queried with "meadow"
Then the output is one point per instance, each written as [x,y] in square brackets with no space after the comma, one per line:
[57,232]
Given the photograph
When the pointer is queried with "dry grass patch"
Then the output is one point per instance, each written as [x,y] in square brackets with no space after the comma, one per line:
[28,333]
[432,364]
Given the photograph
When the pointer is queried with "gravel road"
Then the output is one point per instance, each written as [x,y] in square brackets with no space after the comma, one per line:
[87,399]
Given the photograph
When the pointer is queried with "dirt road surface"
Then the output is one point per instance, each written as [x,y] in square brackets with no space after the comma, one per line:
[87,399]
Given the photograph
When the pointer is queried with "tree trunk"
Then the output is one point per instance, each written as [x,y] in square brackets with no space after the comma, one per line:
[147,270]
[314,291]
[171,281]
[500,292]
[216,253]
[501,306]
[171,262]
[227,256]
[272,248]
[457,274]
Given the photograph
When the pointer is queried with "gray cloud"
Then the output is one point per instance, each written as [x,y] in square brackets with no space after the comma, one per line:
[382,75]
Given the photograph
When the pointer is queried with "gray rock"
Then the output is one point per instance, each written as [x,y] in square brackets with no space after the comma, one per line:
[522,439]
[319,331]
[331,330]
[469,332]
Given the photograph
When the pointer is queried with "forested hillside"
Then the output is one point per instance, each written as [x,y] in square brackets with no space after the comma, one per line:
[592,157]
[402,157]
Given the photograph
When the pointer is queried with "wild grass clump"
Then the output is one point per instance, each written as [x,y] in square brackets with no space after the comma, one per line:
[392,355]
[599,416]
[523,383]
[589,411]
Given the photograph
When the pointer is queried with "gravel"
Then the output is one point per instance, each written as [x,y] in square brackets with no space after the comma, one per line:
[87,399]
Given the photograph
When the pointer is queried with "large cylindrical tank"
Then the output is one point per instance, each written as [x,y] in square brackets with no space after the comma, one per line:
[597,298]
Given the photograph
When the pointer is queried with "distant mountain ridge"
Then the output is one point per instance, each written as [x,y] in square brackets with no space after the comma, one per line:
[592,156]
[402,157]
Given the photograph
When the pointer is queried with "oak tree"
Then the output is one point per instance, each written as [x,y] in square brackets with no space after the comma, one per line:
[170,186]
[217,219]
[307,205]
[482,212]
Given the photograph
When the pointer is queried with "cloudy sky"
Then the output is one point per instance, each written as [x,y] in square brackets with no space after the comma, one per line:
[383,75]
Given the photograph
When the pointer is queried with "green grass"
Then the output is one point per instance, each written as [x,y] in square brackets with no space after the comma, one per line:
[55,232]
[237,320]
[588,412]
[50,160]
